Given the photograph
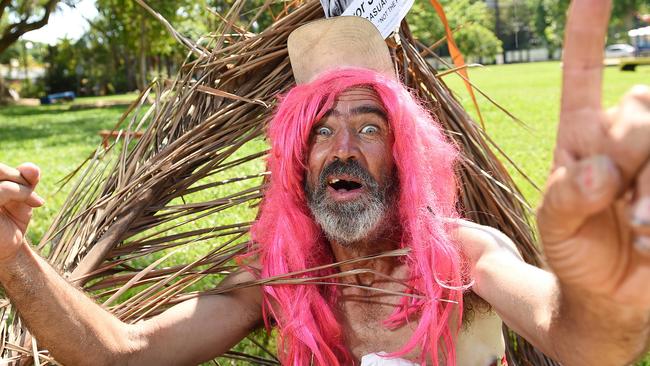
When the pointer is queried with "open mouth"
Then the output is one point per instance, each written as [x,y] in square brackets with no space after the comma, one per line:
[344,184]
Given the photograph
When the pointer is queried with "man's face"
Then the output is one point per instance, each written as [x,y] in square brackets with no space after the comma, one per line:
[351,184]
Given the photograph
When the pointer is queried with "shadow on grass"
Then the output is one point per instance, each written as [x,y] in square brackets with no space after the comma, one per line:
[19,111]
[55,123]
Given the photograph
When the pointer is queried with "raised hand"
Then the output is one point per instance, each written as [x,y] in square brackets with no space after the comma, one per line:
[594,220]
[17,198]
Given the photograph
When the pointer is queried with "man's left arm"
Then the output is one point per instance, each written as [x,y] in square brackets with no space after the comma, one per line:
[569,326]
[594,220]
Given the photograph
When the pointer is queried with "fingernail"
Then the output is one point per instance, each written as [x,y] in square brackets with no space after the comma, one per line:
[641,212]
[39,199]
[593,175]
[642,245]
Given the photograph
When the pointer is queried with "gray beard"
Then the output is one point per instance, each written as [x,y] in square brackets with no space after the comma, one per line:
[365,218]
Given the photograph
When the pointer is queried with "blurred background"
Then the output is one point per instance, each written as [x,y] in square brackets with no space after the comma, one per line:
[107,47]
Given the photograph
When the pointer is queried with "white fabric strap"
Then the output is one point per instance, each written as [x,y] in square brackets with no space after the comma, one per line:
[378,359]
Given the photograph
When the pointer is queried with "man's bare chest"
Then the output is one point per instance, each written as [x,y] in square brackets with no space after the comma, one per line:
[365,331]
[479,343]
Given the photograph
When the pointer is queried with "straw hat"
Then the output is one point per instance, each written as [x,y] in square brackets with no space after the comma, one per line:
[340,41]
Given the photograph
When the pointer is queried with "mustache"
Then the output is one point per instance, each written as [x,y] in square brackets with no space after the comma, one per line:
[349,222]
[351,168]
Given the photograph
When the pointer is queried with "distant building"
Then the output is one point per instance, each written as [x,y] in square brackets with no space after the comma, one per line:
[492,3]
[16,72]
[640,39]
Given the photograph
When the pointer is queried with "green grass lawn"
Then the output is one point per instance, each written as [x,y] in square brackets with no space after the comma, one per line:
[532,93]
[109,98]
[58,139]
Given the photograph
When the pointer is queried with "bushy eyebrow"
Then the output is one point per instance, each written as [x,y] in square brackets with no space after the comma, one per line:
[364,109]
[369,109]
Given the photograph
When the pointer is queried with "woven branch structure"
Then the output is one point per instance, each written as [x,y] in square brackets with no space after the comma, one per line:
[195,178]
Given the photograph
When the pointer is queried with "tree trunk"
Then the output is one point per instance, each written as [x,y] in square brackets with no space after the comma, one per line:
[129,67]
[3,91]
[142,79]
[497,28]
[13,31]
[169,65]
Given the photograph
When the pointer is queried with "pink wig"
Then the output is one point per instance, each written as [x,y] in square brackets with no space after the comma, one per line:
[289,239]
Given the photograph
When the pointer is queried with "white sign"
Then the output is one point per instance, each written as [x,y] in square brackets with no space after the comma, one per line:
[384,14]
[334,8]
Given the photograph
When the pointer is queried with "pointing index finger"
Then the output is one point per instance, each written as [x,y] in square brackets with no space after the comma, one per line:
[584,45]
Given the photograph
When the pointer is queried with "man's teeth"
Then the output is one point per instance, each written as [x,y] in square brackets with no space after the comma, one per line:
[335,180]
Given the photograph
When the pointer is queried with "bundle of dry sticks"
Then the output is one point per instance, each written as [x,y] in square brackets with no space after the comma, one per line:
[195,177]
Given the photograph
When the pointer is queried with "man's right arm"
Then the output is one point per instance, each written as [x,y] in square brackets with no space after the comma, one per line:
[77,331]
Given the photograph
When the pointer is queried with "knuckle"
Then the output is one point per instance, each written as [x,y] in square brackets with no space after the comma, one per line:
[555,201]
[612,111]
[643,179]
[640,229]
[8,188]
[631,124]
[640,91]
[4,170]
[638,96]
[7,172]
[4,191]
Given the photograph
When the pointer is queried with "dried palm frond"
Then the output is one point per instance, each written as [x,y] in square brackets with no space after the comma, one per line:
[195,177]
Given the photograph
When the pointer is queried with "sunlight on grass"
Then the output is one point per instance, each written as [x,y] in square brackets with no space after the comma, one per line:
[129,97]
[532,93]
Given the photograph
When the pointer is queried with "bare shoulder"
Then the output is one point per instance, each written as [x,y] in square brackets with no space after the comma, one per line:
[479,240]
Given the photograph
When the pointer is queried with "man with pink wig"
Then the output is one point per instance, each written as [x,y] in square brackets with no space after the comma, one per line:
[361,206]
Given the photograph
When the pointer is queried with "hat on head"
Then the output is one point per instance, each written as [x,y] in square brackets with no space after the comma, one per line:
[337,42]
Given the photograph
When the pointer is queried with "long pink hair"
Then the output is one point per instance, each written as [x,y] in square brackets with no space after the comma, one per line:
[289,240]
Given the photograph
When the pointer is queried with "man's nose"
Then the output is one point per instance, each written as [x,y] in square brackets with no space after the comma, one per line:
[346,146]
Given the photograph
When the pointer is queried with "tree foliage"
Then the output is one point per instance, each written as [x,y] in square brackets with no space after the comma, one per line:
[471,20]
[541,22]
[625,16]
[136,43]
[22,16]
[125,47]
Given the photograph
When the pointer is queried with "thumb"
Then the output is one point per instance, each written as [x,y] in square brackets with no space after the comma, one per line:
[574,192]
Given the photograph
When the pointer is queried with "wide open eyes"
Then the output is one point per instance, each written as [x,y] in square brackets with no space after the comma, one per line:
[323,131]
[370,129]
